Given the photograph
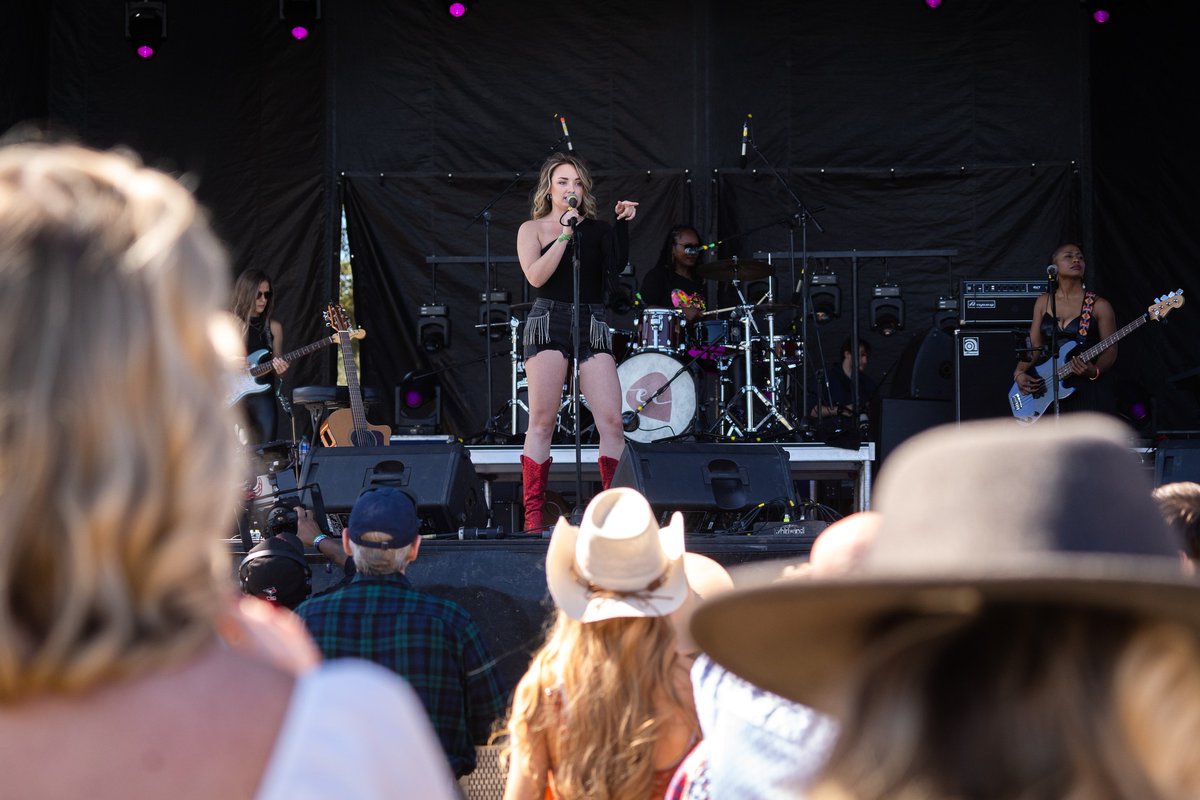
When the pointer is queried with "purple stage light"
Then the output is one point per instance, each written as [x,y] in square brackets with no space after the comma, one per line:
[457,9]
[1100,15]
[933,3]
[299,32]
[414,398]
[145,51]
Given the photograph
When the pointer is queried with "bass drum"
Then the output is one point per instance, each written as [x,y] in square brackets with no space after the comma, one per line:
[671,413]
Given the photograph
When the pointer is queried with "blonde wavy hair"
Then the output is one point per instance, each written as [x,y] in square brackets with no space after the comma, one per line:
[118,466]
[1023,702]
[540,198]
[589,693]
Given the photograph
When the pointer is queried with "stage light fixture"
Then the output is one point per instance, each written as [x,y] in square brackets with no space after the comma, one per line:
[500,314]
[945,314]
[145,26]
[300,17]
[887,309]
[418,408]
[458,8]
[825,296]
[433,328]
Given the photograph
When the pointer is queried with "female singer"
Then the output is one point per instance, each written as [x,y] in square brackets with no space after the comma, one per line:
[563,219]
[252,305]
[1083,317]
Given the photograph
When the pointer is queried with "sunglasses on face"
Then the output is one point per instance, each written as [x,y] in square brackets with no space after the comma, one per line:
[264,295]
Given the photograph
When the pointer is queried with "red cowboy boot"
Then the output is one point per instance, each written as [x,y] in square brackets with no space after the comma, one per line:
[608,468]
[535,477]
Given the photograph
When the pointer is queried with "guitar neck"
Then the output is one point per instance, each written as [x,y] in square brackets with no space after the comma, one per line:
[357,411]
[1064,370]
[263,369]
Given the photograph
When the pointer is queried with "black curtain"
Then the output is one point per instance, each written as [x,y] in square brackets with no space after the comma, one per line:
[997,128]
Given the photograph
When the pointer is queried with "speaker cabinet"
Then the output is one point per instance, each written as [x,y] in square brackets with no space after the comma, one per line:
[900,419]
[1177,460]
[984,360]
[925,370]
[439,474]
[700,476]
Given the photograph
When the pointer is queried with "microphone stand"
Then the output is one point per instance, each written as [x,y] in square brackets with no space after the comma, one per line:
[804,215]
[577,512]
[1052,288]
[485,214]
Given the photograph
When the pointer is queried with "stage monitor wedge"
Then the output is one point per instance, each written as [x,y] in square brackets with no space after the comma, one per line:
[439,474]
[701,476]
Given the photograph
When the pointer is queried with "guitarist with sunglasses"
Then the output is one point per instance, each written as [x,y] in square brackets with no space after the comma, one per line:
[1080,316]
[253,304]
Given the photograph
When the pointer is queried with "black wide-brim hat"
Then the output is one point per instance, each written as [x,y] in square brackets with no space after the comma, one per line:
[988,512]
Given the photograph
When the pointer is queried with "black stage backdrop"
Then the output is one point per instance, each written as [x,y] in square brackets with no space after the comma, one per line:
[991,127]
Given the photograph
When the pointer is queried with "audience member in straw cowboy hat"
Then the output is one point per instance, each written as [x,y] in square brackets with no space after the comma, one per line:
[757,744]
[128,667]
[1179,503]
[605,709]
[1020,627]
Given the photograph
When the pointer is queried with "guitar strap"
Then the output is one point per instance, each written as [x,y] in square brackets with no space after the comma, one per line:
[1085,314]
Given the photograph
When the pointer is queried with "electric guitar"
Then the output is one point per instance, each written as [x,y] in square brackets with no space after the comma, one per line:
[258,364]
[348,427]
[1028,407]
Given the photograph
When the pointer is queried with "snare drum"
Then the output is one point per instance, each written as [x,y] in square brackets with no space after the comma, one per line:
[789,350]
[668,415]
[660,330]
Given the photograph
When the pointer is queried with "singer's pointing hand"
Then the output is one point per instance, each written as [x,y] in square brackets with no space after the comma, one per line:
[626,209]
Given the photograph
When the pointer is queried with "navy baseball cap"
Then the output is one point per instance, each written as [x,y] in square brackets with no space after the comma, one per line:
[387,510]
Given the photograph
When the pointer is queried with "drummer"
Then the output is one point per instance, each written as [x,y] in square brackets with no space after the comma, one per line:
[672,283]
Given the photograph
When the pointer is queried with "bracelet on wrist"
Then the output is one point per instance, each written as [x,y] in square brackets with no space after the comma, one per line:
[320,537]
[1097,375]
[563,237]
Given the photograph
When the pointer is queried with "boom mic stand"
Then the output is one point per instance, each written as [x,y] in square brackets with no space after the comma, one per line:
[485,214]
[804,215]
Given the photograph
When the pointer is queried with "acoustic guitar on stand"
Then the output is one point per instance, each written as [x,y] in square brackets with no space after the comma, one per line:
[1028,408]
[348,427]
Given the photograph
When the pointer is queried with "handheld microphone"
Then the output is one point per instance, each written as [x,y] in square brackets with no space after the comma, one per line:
[629,421]
[573,201]
[1051,271]
[566,135]
[692,251]
[745,137]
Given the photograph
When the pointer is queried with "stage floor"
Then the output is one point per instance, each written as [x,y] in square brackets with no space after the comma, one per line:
[806,461]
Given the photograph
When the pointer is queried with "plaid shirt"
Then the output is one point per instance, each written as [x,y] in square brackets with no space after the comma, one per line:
[432,642]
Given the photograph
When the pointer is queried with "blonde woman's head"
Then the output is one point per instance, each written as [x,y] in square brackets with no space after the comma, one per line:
[118,468]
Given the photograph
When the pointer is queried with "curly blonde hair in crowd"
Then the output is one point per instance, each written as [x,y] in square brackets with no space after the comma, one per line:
[540,199]
[118,467]
[598,681]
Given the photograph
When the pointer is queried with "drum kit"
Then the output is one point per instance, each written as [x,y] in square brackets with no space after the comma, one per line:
[665,362]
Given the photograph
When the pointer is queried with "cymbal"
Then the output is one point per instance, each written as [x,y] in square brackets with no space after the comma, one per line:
[733,269]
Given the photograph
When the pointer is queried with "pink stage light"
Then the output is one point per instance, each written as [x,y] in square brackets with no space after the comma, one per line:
[299,32]
[145,51]
[933,3]
[1100,15]
[457,9]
